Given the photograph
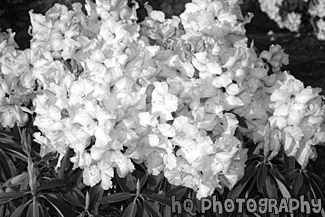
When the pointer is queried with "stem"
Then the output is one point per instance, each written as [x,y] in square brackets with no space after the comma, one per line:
[26,143]
[63,163]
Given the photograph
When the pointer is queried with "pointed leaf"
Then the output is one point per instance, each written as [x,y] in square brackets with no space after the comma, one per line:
[250,172]
[316,178]
[33,210]
[270,189]
[7,166]
[167,211]
[178,192]
[318,194]
[12,195]
[262,172]
[284,190]
[122,183]
[54,183]
[144,179]
[73,200]
[58,204]
[283,185]
[152,209]
[95,193]
[141,211]
[117,197]
[297,182]
[154,182]
[19,210]
[131,210]
[162,199]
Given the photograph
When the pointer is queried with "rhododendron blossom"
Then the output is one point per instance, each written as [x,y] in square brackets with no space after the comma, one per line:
[171,94]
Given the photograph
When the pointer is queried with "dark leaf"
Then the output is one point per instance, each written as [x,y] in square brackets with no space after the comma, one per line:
[73,200]
[253,157]
[57,203]
[270,188]
[7,166]
[130,181]
[152,209]
[162,199]
[117,197]
[154,182]
[141,211]
[12,195]
[178,192]
[290,163]
[250,172]
[316,178]
[18,211]
[262,173]
[297,182]
[77,193]
[252,186]
[44,212]
[144,179]
[314,186]
[131,210]
[122,183]
[33,210]
[54,183]
[95,193]
[283,186]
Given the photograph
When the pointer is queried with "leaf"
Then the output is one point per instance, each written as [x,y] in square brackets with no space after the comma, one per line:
[316,178]
[314,186]
[154,182]
[262,173]
[284,190]
[141,211]
[144,179]
[178,192]
[162,199]
[33,210]
[117,197]
[152,209]
[297,182]
[131,210]
[71,199]
[56,202]
[281,182]
[7,166]
[44,212]
[239,187]
[54,183]
[167,211]
[95,193]
[269,189]
[19,210]
[122,183]
[12,195]
[78,194]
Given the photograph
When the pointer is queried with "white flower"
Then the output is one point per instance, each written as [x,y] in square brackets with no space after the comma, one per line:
[163,103]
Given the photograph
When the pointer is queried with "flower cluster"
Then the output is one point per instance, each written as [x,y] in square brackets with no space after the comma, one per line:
[317,11]
[289,14]
[291,21]
[168,93]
